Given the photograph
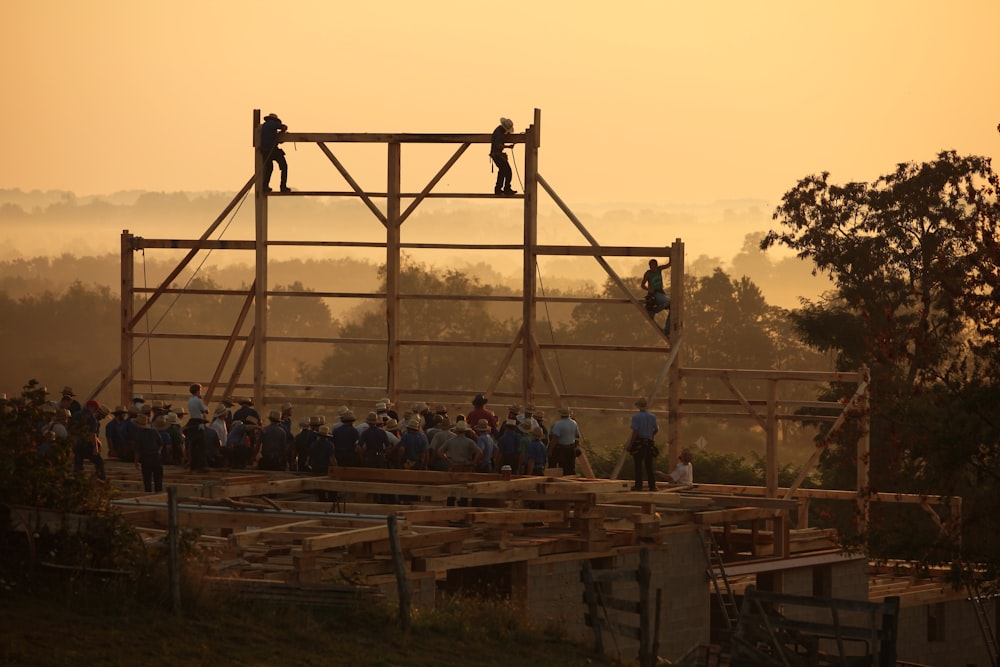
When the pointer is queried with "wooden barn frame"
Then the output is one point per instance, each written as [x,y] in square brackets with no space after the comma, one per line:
[397,208]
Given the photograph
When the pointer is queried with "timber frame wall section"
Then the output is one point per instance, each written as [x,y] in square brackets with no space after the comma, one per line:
[392,217]
[525,341]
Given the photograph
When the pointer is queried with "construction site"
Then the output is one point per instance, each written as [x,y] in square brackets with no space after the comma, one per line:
[710,573]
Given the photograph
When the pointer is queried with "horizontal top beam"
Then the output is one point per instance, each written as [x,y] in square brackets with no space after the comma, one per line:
[392,138]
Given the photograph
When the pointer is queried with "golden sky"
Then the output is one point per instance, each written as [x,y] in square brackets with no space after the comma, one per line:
[642,101]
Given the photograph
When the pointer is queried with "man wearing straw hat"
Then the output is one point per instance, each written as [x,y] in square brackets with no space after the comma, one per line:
[499,157]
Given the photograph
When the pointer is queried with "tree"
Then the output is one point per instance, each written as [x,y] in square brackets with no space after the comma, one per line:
[915,260]
[422,319]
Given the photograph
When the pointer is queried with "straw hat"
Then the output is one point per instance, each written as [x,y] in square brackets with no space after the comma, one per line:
[482,426]
[507,124]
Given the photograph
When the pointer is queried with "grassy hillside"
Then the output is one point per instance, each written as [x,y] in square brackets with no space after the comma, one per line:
[70,627]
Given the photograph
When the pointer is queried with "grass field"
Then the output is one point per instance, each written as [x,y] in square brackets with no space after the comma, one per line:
[65,625]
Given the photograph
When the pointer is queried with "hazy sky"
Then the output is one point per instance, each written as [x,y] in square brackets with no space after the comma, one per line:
[642,101]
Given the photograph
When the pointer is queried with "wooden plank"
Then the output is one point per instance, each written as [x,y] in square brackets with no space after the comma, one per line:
[438,536]
[358,474]
[214,490]
[518,516]
[395,137]
[247,538]
[437,515]
[345,538]
[562,484]
[801,376]
[434,491]
[526,482]
[732,515]
[641,497]
[475,559]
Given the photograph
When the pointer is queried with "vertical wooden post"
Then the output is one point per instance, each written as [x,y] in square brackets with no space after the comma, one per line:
[863,465]
[645,640]
[402,583]
[392,265]
[529,280]
[127,311]
[771,448]
[173,537]
[676,333]
[590,595]
[260,294]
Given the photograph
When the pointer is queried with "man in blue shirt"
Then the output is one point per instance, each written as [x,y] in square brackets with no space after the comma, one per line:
[640,445]
[564,438]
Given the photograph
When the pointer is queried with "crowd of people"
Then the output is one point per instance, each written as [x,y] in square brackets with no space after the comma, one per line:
[234,435]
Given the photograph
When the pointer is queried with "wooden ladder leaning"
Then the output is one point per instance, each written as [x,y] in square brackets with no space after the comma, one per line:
[716,570]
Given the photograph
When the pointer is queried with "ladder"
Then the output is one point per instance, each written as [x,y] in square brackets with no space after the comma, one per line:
[720,582]
[976,597]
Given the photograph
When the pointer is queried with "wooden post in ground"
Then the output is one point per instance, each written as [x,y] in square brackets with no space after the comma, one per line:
[402,583]
[173,560]
[590,595]
[646,659]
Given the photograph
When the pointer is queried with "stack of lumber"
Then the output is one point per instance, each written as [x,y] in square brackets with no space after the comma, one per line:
[333,529]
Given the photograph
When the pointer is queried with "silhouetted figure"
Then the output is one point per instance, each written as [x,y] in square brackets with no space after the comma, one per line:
[270,130]
[499,157]
[656,298]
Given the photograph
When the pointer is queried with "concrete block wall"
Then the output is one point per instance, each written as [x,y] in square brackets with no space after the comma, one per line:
[681,571]
[554,597]
[961,643]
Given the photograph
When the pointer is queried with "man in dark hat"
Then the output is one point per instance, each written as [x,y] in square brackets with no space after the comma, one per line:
[86,426]
[246,409]
[270,131]
[274,443]
[345,441]
[480,411]
[147,455]
[69,402]
[497,145]
[114,431]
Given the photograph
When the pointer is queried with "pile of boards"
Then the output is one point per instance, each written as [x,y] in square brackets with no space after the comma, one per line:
[308,529]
